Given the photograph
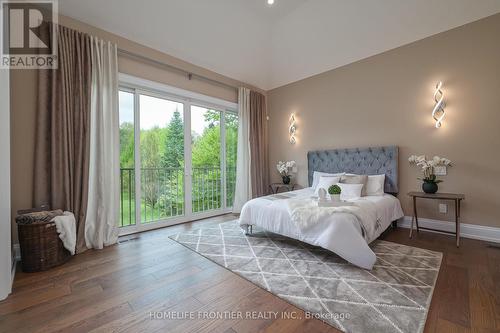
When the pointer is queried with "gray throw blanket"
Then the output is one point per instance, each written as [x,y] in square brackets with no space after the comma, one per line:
[305,213]
[38,217]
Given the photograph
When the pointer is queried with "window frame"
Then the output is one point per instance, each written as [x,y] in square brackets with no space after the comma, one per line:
[138,86]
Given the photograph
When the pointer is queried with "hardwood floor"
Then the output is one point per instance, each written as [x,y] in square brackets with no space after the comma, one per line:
[115,289]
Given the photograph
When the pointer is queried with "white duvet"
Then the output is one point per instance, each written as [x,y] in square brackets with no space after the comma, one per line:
[346,230]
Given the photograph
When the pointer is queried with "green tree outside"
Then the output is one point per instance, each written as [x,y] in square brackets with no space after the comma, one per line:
[162,163]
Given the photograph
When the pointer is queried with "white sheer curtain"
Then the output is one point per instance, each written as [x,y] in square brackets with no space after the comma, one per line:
[101,228]
[243,188]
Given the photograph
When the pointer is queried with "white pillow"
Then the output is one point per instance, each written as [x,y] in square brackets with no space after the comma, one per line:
[317,175]
[350,191]
[325,182]
[375,185]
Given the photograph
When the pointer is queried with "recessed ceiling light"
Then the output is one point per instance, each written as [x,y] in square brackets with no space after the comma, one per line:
[270,2]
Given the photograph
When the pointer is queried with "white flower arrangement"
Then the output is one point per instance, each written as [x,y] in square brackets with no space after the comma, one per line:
[284,168]
[428,166]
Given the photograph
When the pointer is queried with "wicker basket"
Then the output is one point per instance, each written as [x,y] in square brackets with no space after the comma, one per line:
[41,247]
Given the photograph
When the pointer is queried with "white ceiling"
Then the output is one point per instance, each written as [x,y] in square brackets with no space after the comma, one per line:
[270,46]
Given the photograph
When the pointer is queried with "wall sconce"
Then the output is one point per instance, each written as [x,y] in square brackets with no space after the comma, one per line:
[292,128]
[438,111]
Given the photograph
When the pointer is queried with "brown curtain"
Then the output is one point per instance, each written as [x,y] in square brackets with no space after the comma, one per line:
[62,152]
[258,144]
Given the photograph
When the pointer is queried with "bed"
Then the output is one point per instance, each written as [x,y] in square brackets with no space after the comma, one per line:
[341,232]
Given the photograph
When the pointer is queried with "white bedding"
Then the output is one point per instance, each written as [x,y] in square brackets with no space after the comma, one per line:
[341,233]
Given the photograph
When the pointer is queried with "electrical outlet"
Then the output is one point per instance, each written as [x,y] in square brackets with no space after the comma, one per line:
[443,208]
[440,170]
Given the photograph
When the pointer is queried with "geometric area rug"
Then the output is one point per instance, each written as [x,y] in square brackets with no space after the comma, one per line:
[393,297]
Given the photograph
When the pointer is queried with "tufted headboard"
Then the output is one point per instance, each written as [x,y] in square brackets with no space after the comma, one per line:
[364,161]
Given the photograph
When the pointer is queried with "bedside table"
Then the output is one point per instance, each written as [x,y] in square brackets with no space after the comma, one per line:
[276,187]
[455,197]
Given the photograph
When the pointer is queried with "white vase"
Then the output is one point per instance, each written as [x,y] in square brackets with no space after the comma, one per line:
[335,197]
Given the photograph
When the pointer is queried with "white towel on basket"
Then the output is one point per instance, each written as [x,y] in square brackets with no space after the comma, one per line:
[66,228]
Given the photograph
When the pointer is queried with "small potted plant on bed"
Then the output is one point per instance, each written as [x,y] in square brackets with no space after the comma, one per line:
[430,181]
[285,169]
[334,192]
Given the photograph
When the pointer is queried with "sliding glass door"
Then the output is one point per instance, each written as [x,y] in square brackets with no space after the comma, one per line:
[231,144]
[206,193]
[177,159]
[127,158]
[161,158]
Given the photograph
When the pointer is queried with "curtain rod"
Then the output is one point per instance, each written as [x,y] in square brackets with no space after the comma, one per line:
[173,68]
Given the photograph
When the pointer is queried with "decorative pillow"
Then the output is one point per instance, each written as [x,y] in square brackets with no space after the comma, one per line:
[317,175]
[325,182]
[355,179]
[375,185]
[350,191]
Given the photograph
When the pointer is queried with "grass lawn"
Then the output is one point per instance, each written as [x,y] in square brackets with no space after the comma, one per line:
[148,214]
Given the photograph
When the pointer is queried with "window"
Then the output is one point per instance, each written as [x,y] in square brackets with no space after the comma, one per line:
[231,134]
[127,161]
[177,156]
[162,158]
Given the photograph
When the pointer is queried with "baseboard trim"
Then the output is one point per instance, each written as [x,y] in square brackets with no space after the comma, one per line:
[473,231]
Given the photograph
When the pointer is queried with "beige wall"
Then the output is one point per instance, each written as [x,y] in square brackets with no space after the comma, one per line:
[387,99]
[382,100]
[24,91]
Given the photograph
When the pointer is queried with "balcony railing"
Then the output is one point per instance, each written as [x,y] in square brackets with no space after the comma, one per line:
[162,192]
